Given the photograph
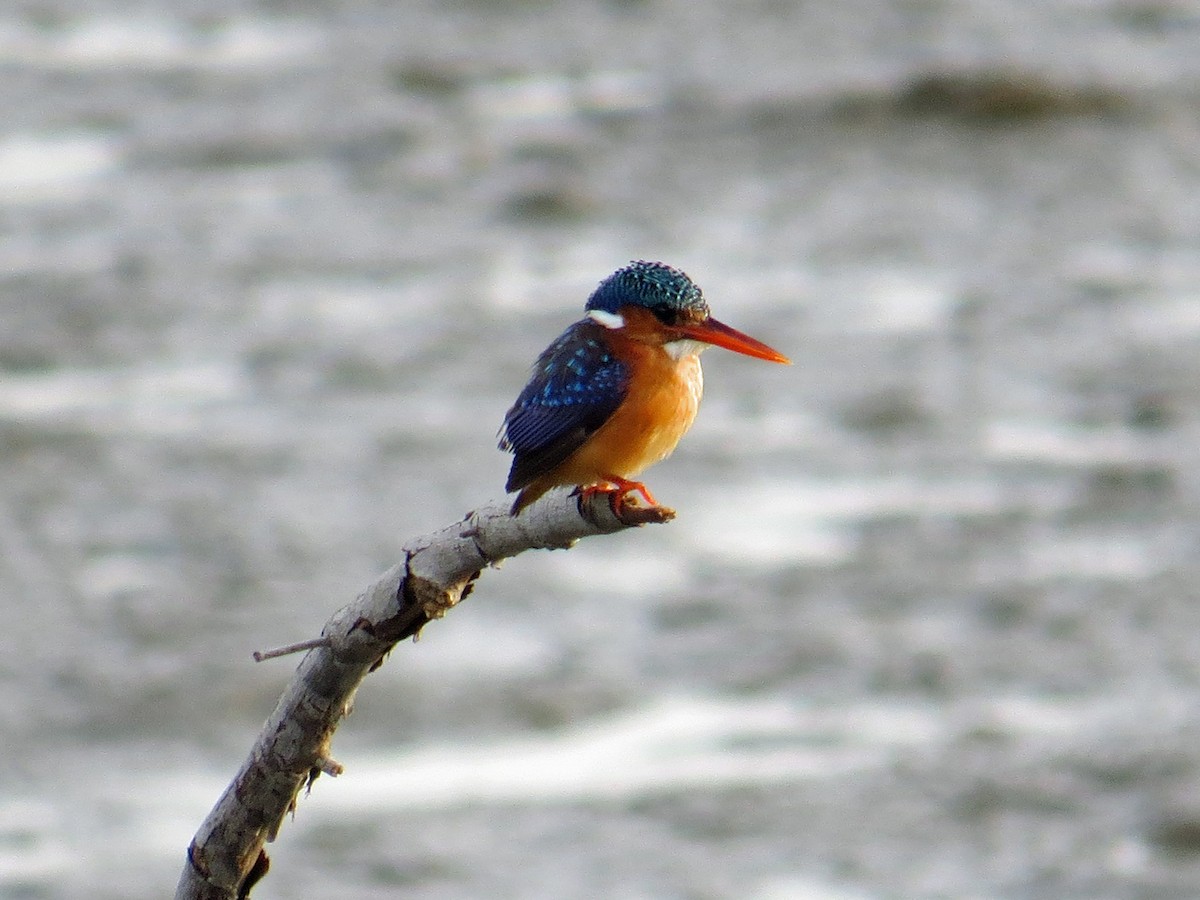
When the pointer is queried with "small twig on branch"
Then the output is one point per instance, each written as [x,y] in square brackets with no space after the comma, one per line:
[311,644]
[328,766]
[226,856]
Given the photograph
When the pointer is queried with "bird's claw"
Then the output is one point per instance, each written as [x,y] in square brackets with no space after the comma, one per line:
[622,500]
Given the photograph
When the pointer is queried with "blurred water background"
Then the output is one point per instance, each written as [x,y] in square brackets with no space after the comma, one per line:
[270,275]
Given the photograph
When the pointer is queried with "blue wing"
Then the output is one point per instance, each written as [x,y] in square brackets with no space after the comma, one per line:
[577,385]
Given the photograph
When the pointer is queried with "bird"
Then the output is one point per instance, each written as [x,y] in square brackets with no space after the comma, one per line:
[616,391]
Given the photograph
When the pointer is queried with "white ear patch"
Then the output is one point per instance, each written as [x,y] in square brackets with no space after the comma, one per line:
[607,319]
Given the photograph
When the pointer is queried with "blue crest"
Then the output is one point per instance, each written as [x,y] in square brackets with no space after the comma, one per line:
[650,285]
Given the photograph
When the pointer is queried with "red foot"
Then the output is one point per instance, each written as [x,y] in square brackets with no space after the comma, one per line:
[617,489]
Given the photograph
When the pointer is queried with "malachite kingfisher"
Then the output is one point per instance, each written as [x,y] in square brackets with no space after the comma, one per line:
[618,389]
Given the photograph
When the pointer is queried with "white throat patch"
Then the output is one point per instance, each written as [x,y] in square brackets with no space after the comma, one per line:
[607,319]
[685,347]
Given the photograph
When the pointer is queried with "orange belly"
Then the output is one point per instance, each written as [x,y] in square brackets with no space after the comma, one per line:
[658,410]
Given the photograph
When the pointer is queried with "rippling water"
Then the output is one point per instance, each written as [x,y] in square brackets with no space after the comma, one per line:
[925,625]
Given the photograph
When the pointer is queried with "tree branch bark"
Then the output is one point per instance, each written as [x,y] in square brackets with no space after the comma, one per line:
[226,857]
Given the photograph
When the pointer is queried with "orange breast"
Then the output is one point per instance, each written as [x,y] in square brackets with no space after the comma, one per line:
[659,408]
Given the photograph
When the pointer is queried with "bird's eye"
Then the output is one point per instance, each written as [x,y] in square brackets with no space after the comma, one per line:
[665,314]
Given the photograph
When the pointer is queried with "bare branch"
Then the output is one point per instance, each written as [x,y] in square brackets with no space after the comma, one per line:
[226,857]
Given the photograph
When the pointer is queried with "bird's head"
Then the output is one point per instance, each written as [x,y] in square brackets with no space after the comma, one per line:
[660,300]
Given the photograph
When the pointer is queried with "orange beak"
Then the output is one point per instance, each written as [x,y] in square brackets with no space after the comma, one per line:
[710,331]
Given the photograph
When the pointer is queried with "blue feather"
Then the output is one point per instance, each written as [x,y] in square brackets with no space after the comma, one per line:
[577,385]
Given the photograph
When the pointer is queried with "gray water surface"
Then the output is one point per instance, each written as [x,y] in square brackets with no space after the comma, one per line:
[925,626]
